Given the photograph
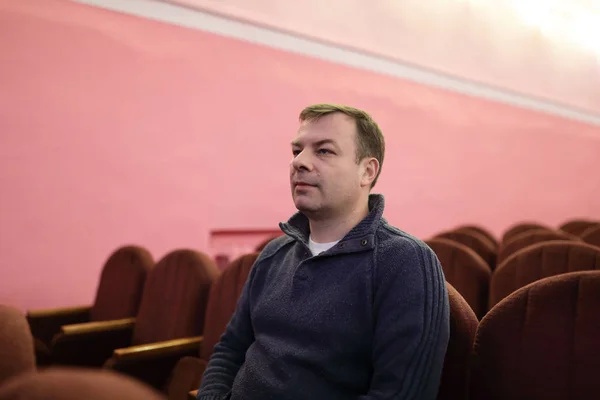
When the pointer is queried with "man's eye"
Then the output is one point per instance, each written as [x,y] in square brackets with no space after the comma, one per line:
[325,151]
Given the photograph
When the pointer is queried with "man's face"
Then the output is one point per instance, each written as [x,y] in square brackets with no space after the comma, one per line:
[324,175]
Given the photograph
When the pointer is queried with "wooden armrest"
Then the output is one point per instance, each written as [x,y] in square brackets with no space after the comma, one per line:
[58,312]
[97,327]
[44,324]
[158,349]
[192,395]
[153,363]
[91,343]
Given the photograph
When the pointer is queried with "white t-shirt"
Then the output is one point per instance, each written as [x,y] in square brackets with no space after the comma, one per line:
[318,248]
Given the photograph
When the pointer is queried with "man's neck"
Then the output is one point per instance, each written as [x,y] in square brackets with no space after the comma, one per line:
[334,229]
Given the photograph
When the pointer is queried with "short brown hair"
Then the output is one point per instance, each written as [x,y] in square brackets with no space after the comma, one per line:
[369,138]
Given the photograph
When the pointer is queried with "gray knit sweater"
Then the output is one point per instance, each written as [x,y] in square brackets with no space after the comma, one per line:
[367,319]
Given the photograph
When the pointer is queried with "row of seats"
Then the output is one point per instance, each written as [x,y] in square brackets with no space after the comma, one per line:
[518,236]
[485,272]
[159,322]
[156,322]
[538,343]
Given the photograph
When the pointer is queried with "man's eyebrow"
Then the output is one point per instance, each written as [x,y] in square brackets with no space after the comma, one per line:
[317,143]
[325,141]
[296,143]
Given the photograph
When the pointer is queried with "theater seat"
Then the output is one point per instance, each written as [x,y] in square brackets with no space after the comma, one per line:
[592,235]
[475,241]
[541,261]
[463,325]
[16,344]
[71,384]
[520,228]
[530,237]
[482,231]
[118,296]
[167,327]
[541,342]
[224,295]
[577,226]
[465,271]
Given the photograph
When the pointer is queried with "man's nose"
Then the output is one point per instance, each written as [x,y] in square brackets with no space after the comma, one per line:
[302,161]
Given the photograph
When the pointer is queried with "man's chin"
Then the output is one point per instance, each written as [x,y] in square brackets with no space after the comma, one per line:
[305,206]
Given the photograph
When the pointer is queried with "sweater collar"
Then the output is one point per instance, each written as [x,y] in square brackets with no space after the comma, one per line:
[298,226]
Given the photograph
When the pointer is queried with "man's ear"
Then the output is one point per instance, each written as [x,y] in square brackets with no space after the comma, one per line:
[370,168]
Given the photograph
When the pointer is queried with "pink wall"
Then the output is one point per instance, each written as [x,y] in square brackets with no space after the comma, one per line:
[115,130]
[480,40]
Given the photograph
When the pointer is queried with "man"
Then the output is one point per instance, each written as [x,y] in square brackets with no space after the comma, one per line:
[344,306]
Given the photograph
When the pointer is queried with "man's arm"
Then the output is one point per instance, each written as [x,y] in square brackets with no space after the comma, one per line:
[230,352]
[411,332]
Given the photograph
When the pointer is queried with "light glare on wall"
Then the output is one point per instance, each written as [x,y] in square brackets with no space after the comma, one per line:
[561,20]
[587,32]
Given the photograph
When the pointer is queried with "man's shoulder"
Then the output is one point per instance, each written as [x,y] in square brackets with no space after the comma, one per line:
[401,254]
[270,265]
[391,238]
[273,247]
